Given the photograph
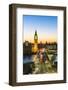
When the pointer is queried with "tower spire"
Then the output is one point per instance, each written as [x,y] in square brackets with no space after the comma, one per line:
[35,37]
[35,48]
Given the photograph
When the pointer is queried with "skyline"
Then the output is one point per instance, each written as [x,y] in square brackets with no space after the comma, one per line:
[46,27]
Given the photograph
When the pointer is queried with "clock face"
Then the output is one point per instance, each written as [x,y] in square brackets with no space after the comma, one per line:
[36,37]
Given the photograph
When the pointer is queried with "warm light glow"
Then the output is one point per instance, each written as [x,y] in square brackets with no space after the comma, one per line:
[46,27]
[35,48]
[43,41]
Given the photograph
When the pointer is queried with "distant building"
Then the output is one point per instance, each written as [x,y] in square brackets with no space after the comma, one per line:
[27,48]
[35,47]
[52,46]
[41,45]
[36,37]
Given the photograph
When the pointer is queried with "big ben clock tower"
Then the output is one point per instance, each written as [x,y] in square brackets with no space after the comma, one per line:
[36,37]
[35,49]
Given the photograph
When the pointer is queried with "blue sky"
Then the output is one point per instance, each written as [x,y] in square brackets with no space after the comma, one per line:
[46,27]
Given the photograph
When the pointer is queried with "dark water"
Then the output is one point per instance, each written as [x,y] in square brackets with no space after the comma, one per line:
[28,59]
[27,64]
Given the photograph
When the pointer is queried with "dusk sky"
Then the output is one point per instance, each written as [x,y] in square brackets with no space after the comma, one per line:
[46,27]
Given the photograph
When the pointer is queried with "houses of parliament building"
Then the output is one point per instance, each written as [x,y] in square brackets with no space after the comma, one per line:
[31,48]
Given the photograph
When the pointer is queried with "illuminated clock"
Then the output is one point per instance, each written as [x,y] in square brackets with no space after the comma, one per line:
[36,37]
